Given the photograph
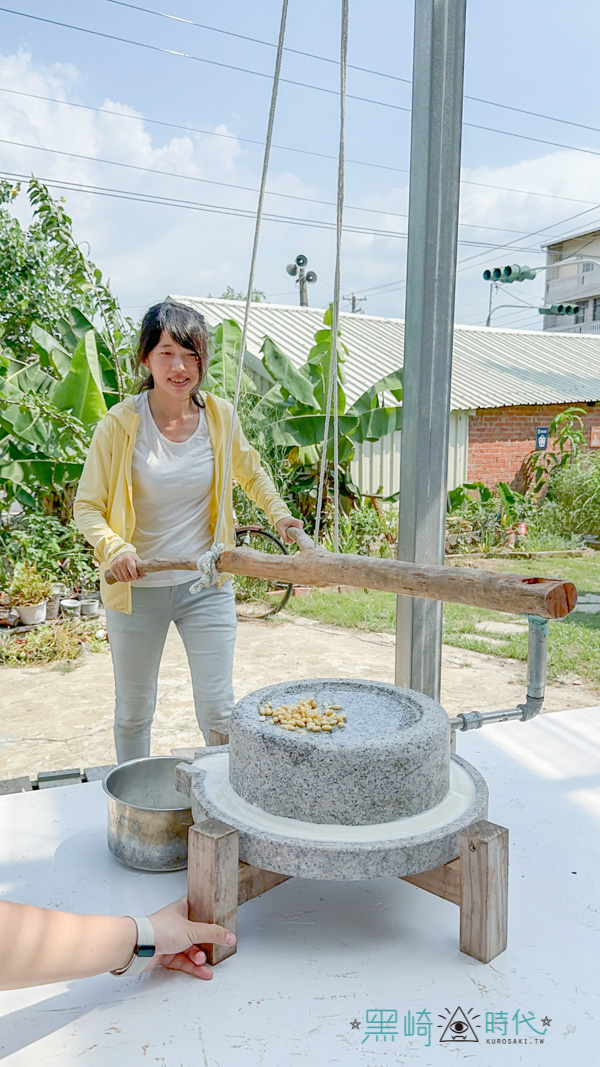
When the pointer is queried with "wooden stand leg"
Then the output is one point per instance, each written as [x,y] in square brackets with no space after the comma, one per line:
[213,880]
[216,738]
[478,883]
[484,890]
[253,882]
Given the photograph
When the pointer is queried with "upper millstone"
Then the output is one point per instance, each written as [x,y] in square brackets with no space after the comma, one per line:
[390,761]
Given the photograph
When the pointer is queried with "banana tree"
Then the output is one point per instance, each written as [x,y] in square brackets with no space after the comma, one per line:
[295,408]
[48,411]
[225,344]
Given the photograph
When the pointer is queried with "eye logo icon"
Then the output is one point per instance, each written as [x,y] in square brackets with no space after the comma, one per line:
[459,1027]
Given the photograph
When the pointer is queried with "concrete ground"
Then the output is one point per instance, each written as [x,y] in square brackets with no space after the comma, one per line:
[51,719]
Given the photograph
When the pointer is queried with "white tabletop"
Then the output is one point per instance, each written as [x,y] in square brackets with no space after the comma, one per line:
[315,956]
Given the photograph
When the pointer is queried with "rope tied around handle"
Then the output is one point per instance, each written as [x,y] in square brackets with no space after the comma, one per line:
[207,565]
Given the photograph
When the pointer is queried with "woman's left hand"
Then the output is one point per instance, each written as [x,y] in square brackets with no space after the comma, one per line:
[178,940]
[284,525]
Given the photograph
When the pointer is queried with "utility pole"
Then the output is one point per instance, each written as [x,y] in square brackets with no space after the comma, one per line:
[431,278]
[356,301]
[303,277]
[302,287]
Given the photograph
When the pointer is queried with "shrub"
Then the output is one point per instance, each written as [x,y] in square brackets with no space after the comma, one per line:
[368,530]
[58,550]
[28,587]
[575,504]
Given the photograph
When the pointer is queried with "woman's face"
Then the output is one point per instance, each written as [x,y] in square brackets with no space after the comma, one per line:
[175,369]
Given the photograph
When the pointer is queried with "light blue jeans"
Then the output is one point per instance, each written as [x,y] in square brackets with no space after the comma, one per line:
[206,622]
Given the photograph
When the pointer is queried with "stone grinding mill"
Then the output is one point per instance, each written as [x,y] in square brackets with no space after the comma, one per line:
[385,796]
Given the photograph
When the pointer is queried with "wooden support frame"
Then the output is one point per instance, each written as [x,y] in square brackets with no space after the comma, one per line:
[218,883]
[478,882]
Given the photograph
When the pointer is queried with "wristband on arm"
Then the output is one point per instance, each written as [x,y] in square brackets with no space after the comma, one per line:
[143,951]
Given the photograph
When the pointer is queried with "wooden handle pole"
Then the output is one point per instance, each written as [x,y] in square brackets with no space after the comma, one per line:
[549,598]
[152,566]
[302,539]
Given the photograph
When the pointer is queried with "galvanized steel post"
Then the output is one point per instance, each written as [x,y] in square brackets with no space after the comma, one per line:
[431,274]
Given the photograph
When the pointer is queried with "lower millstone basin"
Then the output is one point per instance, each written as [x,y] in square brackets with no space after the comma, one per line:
[391,761]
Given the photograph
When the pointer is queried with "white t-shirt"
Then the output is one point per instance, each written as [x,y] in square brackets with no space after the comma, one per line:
[172,492]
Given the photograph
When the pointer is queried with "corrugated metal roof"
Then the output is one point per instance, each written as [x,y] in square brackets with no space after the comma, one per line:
[491,367]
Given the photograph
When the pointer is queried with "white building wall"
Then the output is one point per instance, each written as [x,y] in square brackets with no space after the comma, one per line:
[376,465]
[375,468]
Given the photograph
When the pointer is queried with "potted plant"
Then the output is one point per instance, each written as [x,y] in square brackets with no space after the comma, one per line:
[29,592]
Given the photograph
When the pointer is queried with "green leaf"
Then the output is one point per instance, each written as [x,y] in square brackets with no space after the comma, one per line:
[307,430]
[283,371]
[372,425]
[222,369]
[391,383]
[315,356]
[49,473]
[345,450]
[51,352]
[81,389]
[506,495]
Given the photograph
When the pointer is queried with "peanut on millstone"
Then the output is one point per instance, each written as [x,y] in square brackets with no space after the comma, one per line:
[304,716]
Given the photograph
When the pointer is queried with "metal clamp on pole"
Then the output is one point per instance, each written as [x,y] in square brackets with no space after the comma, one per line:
[537,659]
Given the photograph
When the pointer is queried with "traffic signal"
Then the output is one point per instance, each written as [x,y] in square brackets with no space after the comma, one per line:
[560,309]
[514,272]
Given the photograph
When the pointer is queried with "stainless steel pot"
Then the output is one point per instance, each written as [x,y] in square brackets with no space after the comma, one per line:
[148,820]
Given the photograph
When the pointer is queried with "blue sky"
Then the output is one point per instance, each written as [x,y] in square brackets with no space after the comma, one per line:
[530,55]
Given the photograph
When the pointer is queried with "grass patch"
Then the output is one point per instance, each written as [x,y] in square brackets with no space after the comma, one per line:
[61,644]
[573,643]
[584,571]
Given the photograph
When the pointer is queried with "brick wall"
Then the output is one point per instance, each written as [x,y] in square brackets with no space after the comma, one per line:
[500,439]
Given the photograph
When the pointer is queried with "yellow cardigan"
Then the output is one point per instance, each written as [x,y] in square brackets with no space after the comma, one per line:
[103,508]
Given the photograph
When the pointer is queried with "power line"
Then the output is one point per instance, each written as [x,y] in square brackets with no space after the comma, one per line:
[197,59]
[188,177]
[505,293]
[534,233]
[351,66]
[518,322]
[212,133]
[281,148]
[288,81]
[218,209]
[231,185]
[256,40]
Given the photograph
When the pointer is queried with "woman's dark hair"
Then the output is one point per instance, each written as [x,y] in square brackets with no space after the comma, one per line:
[185,326]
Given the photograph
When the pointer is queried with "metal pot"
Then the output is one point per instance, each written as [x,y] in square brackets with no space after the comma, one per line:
[148,820]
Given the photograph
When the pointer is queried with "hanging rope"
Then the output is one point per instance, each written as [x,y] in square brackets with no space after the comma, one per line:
[332,390]
[259,212]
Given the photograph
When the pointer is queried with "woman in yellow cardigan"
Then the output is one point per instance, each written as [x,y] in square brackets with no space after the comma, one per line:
[151,486]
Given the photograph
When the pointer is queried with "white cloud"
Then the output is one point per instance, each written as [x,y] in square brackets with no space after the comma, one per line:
[151,250]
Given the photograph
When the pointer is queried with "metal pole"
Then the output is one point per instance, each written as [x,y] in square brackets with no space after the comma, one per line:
[516,307]
[303,290]
[431,275]
[490,307]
